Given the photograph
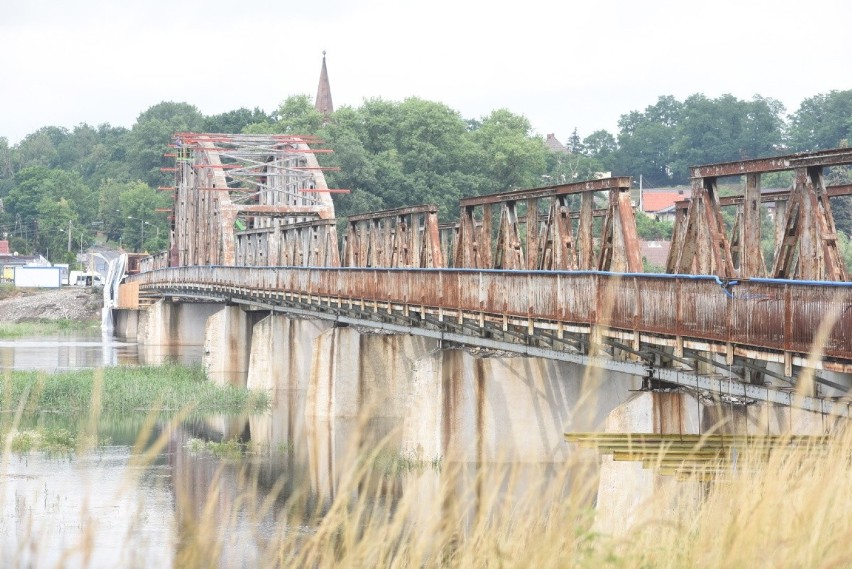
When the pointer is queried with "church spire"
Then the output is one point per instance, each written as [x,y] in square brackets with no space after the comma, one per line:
[323,103]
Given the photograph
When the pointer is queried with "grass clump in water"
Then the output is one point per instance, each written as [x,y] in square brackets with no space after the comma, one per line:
[51,440]
[231,449]
[43,327]
[234,448]
[391,462]
[168,388]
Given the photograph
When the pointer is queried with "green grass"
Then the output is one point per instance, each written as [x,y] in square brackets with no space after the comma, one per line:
[52,440]
[235,449]
[7,290]
[128,390]
[391,462]
[45,327]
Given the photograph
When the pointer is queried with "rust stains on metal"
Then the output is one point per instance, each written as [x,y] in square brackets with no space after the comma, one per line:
[535,229]
[403,237]
[779,316]
[806,238]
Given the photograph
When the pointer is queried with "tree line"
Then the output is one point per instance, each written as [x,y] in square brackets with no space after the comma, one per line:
[103,180]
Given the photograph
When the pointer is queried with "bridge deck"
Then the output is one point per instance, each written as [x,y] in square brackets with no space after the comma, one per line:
[667,321]
[739,316]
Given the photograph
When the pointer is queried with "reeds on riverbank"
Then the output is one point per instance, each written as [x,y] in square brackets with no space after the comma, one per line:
[791,510]
[46,327]
[131,389]
[373,508]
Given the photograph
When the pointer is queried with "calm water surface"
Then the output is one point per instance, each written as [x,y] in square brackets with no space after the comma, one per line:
[131,511]
[84,350]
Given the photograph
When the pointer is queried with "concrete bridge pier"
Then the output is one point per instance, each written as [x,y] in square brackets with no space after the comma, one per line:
[163,327]
[280,362]
[425,400]
[227,344]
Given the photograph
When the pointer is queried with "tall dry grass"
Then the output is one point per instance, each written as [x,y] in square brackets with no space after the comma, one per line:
[792,510]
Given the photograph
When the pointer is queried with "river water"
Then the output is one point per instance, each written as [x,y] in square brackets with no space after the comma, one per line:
[110,507]
[84,350]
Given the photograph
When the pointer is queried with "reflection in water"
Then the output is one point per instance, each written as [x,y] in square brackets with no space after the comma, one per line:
[107,505]
[155,515]
[50,506]
[80,350]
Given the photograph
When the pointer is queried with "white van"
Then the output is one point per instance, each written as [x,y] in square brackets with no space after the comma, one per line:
[79,278]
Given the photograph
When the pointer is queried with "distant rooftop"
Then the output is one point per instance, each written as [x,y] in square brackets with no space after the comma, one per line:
[553,144]
[655,252]
[654,200]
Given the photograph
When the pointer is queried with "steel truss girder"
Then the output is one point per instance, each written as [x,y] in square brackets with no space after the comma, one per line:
[806,245]
[535,242]
[403,237]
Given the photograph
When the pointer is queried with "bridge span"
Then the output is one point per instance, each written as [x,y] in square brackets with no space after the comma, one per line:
[699,332]
[487,338]
[552,272]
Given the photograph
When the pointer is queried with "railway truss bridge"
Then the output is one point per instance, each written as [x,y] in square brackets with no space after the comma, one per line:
[553,272]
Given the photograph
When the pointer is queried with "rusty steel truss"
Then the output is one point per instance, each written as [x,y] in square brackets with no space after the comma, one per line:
[542,237]
[806,245]
[231,188]
[263,201]
[556,266]
[404,237]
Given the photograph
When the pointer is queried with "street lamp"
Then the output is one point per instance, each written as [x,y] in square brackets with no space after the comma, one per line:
[142,224]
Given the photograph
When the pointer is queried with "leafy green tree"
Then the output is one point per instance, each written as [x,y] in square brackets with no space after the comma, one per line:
[35,183]
[233,122]
[6,169]
[823,121]
[296,115]
[150,136]
[575,143]
[725,129]
[645,142]
[50,202]
[128,210]
[600,145]
[406,153]
[97,153]
[39,148]
[650,229]
[59,230]
[508,155]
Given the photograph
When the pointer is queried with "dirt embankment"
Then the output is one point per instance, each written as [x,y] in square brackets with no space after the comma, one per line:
[67,303]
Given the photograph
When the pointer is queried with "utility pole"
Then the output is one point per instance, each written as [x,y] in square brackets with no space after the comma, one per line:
[69,235]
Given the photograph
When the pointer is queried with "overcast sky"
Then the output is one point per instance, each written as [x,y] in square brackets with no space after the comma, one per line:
[561,63]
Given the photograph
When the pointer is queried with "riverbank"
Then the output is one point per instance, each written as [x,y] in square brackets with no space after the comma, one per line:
[76,304]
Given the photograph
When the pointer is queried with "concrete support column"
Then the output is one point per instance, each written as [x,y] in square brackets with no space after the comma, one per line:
[227,345]
[126,323]
[282,350]
[167,323]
